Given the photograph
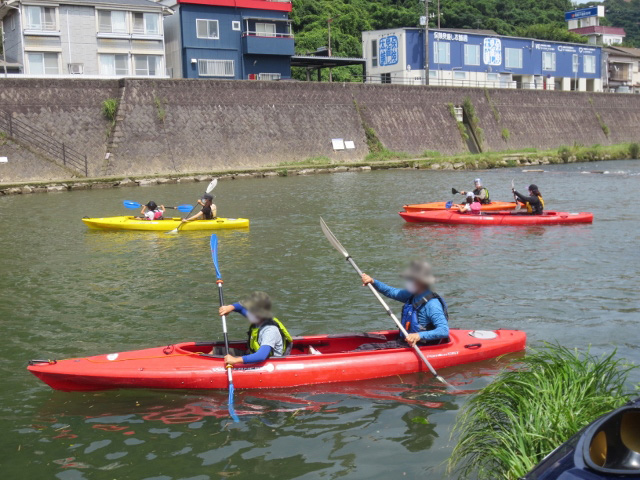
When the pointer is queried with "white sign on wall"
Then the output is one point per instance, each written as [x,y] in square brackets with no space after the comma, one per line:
[349,144]
[338,143]
[492,51]
[4,160]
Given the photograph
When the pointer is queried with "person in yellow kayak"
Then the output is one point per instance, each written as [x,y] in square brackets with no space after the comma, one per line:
[534,202]
[151,211]
[267,335]
[209,210]
[479,191]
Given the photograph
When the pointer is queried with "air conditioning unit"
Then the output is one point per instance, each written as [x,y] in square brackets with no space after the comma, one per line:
[76,68]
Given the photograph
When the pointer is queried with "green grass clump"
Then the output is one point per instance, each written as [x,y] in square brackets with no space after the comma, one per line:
[109,109]
[634,150]
[512,424]
[506,134]
[431,154]
[310,161]
[385,154]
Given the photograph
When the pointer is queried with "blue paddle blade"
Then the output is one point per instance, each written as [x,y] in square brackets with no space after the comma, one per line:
[184,208]
[448,205]
[131,205]
[214,254]
[232,411]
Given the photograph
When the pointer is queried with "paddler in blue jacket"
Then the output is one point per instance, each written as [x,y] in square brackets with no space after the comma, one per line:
[424,314]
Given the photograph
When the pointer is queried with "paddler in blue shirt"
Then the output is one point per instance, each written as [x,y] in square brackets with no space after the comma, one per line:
[424,315]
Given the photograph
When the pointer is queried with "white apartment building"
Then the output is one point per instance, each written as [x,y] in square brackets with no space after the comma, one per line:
[95,38]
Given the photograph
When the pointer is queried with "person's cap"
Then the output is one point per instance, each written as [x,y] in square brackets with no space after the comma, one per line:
[151,205]
[477,181]
[207,196]
[533,187]
[419,271]
[259,304]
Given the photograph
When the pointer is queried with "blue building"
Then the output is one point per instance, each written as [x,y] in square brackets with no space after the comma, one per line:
[229,39]
[477,58]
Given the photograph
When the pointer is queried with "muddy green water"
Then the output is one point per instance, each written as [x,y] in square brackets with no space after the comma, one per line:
[67,291]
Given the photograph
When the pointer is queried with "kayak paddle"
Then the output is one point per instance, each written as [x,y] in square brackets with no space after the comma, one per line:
[338,246]
[214,255]
[133,205]
[209,189]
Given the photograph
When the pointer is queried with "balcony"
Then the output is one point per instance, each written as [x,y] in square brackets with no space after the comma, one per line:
[258,43]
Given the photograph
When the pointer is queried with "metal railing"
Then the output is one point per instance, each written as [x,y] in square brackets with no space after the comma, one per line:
[41,140]
[267,34]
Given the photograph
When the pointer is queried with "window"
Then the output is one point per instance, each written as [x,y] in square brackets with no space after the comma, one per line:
[433,74]
[114,64]
[548,60]
[207,29]
[146,23]
[492,77]
[41,18]
[460,75]
[112,21]
[266,29]
[235,25]
[513,58]
[441,52]
[472,54]
[385,78]
[147,65]
[374,53]
[269,76]
[216,68]
[43,63]
[589,64]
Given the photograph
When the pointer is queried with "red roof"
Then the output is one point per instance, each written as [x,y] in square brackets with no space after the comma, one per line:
[599,29]
[277,5]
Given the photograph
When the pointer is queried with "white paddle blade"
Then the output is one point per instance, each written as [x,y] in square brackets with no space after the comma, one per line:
[173,232]
[212,185]
[332,238]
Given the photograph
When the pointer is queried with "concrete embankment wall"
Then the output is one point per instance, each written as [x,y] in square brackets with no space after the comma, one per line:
[169,126]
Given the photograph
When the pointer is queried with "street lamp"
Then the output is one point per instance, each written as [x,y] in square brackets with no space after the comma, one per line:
[329,21]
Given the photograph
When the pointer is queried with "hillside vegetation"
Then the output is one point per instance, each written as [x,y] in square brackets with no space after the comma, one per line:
[543,19]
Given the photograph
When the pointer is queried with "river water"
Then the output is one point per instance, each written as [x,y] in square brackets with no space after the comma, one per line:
[67,291]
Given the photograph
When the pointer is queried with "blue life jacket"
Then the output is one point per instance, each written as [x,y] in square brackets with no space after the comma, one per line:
[410,312]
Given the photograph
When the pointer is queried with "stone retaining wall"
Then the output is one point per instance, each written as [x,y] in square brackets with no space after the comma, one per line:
[179,126]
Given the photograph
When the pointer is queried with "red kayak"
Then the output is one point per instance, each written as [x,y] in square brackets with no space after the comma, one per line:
[192,366]
[487,207]
[496,218]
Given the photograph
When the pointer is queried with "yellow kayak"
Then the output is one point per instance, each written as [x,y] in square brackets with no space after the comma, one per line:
[164,225]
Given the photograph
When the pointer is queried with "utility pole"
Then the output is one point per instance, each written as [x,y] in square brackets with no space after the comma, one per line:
[426,42]
[4,51]
[438,14]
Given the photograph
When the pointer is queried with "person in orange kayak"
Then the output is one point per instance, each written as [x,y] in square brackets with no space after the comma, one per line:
[208,212]
[479,191]
[472,205]
[424,314]
[534,202]
[267,335]
[151,211]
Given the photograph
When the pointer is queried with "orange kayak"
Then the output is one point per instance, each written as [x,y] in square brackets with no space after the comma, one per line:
[489,207]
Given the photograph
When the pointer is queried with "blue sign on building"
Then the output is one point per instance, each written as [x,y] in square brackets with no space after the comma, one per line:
[388,50]
[581,13]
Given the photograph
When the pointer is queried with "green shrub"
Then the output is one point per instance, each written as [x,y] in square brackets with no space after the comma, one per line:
[373,142]
[110,108]
[161,112]
[564,152]
[506,134]
[507,428]
[474,121]
[634,150]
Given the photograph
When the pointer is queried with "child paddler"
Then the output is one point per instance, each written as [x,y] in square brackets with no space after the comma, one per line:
[267,335]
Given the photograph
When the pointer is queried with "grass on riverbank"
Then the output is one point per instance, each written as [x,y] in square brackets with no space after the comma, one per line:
[504,158]
[513,423]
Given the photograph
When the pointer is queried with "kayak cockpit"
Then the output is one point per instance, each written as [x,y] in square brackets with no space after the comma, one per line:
[310,345]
